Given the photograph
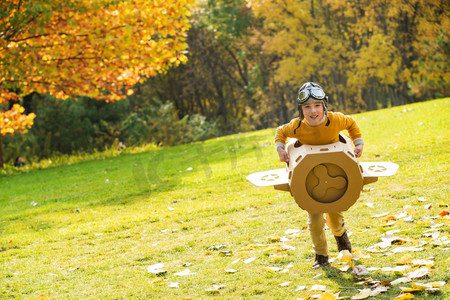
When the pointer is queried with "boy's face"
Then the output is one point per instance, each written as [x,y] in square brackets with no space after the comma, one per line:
[313,112]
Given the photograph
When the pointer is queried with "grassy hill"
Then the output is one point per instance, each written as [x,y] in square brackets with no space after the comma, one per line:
[92,229]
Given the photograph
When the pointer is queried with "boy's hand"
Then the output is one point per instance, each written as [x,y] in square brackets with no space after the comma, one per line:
[283,155]
[359,150]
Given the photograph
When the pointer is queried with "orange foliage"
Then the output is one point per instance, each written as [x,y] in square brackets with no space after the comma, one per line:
[14,120]
[95,48]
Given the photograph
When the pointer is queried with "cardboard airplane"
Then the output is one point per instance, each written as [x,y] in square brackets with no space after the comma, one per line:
[323,178]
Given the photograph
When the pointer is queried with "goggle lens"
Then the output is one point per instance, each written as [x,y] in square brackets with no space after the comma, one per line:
[316,93]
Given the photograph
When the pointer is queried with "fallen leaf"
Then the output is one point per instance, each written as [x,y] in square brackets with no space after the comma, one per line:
[218,247]
[156,269]
[252,247]
[363,294]
[358,254]
[380,215]
[249,260]
[345,256]
[215,288]
[437,284]
[421,286]
[285,247]
[317,287]
[422,262]
[407,249]
[410,210]
[385,283]
[360,270]
[389,218]
[411,290]
[272,269]
[300,288]
[420,273]
[406,259]
[184,273]
[285,283]
[395,269]
[247,248]
[231,270]
[173,284]
[273,239]
[277,258]
[345,268]
[401,280]
[443,213]
[441,241]
[292,232]
[327,296]
[378,290]
[404,296]
[443,204]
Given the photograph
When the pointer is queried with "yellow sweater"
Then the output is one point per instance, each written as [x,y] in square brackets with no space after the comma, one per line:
[326,133]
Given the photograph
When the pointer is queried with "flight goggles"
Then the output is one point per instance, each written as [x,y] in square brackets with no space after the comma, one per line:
[315,92]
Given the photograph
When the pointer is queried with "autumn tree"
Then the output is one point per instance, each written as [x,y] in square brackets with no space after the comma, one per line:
[368,54]
[95,48]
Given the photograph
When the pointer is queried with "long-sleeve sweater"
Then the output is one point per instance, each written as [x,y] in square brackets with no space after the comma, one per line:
[326,133]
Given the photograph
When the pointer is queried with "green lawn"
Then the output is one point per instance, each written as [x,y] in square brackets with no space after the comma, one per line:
[90,230]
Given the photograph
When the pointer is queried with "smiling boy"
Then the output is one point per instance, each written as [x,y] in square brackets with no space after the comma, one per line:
[317,126]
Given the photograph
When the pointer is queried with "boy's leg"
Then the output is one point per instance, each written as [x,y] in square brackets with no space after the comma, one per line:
[335,222]
[316,225]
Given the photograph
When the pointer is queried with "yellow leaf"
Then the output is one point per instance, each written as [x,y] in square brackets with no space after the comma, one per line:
[273,239]
[404,296]
[272,269]
[345,256]
[327,296]
[362,295]
[411,290]
[437,284]
[406,259]
[418,286]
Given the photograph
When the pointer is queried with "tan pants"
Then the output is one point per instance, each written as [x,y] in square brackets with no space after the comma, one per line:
[316,223]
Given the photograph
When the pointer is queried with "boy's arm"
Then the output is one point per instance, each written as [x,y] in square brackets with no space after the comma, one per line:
[281,135]
[283,155]
[355,134]
[359,150]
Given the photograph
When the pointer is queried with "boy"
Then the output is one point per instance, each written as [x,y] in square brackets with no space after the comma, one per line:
[317,126]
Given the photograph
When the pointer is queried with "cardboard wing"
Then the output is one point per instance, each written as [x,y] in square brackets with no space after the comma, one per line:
[325,178]
[378,169]
[277,178]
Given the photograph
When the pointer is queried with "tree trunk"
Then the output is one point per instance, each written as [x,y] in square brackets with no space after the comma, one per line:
[2,162]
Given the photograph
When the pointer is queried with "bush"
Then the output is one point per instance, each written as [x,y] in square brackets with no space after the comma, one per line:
[87,125]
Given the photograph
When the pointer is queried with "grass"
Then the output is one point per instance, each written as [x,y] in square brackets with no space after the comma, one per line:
[90,230]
